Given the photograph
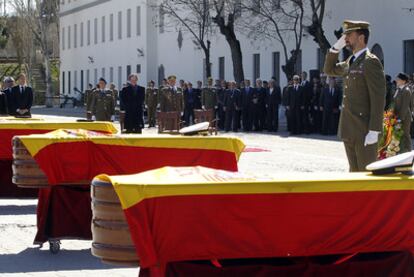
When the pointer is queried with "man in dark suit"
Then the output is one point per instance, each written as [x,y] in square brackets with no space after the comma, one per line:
[132,103]
[190,99]
[232,104]
[3,104]
[285,102]
[246,98]
[22,98]
[273,101]
[307,99]
[8,104]
[257,109]
[330,102]
[294,105]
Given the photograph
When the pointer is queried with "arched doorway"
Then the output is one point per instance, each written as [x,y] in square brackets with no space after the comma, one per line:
[377,51]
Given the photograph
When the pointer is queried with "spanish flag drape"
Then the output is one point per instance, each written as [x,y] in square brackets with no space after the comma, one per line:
[10,127]
[180,214]
[73,156]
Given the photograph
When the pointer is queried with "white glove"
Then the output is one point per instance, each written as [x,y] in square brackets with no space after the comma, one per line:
[113,118]
[371,138]
[158,106]
[203,107]
[182,113]
[146,106]
[340,43]
[93,118]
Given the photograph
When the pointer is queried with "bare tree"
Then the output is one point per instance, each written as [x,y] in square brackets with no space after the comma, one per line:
[40,16]
[280,20]
[194,17]
[315,29]
[227,13]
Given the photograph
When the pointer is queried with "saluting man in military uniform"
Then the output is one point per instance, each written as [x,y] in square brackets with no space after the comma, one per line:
[88,100]
[102,103]
[364,94]
[151,102]
[209,96]
[171,98]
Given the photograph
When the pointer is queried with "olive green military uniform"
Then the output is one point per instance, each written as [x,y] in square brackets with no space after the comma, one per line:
[171,100]
[209,98]
[115,95]
[151,100]
[363,104]
[103,105]
[88,101]
[401,106]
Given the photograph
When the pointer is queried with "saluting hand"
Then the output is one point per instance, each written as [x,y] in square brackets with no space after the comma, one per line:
[340,44]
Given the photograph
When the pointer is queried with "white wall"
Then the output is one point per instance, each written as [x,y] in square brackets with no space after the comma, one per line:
[391,25]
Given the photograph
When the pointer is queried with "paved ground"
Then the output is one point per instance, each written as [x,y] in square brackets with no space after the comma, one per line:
[18,222]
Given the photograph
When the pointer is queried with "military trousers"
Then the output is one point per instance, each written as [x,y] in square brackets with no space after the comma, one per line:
[359,156]
[152,110]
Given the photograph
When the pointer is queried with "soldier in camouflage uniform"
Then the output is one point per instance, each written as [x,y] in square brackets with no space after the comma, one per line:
[363,97]
[103,103]
[151,102]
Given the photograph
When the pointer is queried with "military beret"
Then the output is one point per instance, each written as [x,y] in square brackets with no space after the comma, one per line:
[172,77]
[352,25]
[102,79]
[402,76]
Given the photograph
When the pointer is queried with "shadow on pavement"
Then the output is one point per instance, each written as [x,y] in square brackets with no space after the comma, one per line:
[18,210]
[35,260]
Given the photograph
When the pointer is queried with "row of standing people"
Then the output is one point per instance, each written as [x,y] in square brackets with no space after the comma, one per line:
[16,100]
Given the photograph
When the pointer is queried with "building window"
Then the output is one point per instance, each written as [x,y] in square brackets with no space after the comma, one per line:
[103,29]
[409,56]
[256,66]
[128,70]
[276,66]
[128,27]
[63,82]
[69,35]
[161,74]
[82,81]
[103,73]
[88,31]
[75,83]
[63,38]
[162,18]
[95,76]
[221,68]
[111,27]
[75,36]
[95,31]
[138,68]
[81,34]
[138,21]
[111,74]
[88,77]
[119,25]
[69,83]
[120,77]
[298,65]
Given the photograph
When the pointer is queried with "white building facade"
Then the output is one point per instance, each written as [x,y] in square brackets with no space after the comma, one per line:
[112,38]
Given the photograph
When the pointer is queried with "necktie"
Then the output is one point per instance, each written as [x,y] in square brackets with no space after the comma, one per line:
[21,89]
[351,61]
[331,91]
